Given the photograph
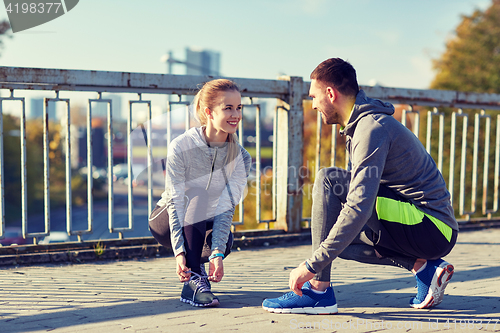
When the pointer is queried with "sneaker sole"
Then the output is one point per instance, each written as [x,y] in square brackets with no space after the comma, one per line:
[215,302]
[438,284]
[308,310]
[442,281]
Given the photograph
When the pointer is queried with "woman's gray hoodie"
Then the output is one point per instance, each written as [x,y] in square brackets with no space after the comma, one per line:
[191,163]
[383,151]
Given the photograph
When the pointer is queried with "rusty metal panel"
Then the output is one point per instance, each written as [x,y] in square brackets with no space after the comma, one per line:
[130,195]
[427,97]
[67,122]
[241,208]
[290,158]
[111,205]
[169,117]
[486,156]
[148,137]
[319,127]
[68,167]
[333,152]
[107,81]
[90,181]
[416,123]
[435,98]
[431,114]
[497,172]
[2,175]
[275,161]
[258,168]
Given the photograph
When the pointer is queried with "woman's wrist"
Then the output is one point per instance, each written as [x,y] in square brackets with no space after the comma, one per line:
[216,255]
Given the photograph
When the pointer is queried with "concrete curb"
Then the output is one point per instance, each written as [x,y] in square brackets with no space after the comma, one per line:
[146,247]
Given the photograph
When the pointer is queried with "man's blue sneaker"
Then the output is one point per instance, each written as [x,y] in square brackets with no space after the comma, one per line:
[310,302]
[431,282]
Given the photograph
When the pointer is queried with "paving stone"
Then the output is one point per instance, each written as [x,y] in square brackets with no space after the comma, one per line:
[142,295]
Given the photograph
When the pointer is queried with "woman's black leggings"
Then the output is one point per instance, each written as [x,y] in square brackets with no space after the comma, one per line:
[197,229]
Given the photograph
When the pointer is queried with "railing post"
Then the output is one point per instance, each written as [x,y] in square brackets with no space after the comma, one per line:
[289,135]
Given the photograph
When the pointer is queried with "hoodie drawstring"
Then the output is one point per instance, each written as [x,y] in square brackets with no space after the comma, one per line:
[212,169]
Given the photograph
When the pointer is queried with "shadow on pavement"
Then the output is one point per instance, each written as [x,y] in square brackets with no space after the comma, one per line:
[69,316]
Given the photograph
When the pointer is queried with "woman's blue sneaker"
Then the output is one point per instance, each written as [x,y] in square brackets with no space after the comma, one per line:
[310,302]
[431,282]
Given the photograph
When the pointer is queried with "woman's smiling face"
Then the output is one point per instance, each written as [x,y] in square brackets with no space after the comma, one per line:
[226,113]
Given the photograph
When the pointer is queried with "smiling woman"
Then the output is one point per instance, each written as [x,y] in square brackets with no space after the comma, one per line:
[206,173]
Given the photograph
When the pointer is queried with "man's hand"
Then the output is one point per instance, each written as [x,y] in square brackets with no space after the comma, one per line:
[298,277]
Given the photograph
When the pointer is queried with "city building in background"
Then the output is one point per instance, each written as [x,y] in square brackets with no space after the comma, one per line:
[202,62]
[197,62]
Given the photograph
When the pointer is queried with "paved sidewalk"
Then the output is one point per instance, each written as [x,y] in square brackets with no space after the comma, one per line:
[143,295]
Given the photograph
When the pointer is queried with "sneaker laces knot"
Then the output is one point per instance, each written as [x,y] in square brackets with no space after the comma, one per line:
[287,295]
[201,282]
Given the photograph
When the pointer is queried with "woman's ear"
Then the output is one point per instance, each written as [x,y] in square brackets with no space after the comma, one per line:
[208,113]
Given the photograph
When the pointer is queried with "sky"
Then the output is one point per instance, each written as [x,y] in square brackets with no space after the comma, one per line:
[389,42]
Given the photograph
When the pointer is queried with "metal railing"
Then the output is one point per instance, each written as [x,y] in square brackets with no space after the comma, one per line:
[19,82]
[287,146]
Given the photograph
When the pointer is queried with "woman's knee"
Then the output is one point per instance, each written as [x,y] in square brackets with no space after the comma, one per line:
[159,226]
[158,219]
[158,222]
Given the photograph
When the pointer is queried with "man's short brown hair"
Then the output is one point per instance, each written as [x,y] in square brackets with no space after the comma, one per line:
[339,73]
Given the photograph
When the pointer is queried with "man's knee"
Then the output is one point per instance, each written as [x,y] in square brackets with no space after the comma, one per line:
[334,178]
[332,173]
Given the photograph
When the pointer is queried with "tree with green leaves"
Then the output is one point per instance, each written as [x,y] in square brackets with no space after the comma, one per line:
[471,61]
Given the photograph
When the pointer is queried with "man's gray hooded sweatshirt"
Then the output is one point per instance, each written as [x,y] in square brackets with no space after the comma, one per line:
[191,163]
[382,151]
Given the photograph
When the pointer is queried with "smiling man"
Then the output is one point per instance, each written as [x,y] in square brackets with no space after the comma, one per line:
[390,208]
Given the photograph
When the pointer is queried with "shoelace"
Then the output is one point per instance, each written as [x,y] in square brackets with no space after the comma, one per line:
[287,295]
[201,281]
[204,273]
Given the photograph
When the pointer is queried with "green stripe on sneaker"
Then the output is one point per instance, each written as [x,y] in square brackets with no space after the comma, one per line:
[405,213]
